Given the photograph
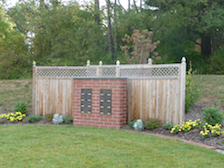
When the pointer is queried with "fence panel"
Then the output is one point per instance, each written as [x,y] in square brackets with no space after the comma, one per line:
[154,91]
[153,99]
[54,96]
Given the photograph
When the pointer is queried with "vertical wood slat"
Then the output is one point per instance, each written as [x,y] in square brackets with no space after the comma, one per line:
[176,103]
[157,98]
[129,99]
[163,103]
[34,103]
[154,99]
[150,98]
[140,98]
[55,96]
[168,101]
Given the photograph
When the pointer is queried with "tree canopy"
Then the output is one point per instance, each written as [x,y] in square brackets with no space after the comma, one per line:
[52,33]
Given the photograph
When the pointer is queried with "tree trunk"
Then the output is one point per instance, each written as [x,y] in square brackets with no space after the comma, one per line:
[205,45]
[216,41]
[115,30]
[135,6]
[54,3]
[97,12]
[129,5]
[42,4]
[109,31]
[141,6]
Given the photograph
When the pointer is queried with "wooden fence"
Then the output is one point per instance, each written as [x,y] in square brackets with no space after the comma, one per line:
[154,91]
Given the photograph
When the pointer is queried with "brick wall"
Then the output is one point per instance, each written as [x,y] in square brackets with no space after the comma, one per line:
[119,103]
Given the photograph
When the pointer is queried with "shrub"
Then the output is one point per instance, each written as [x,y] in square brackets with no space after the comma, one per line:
[49,117]
[222,140]
[21,106]
[212,115]
[191,94]
[131,124]
[168,126]
[152,123]
[216,63]
[67,120]
[34,118]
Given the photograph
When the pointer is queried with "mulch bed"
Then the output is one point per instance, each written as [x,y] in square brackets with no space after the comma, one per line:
[26,122]
[193,135]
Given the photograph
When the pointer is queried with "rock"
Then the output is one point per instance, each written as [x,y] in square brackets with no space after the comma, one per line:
[57,119]
[139,125]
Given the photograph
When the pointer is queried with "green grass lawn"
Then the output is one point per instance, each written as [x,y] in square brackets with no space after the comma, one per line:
[12,91]
[70,146]
[211,89]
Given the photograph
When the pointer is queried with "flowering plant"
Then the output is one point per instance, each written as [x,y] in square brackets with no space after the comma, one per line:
[215,130]
[13,117]
[186,126]
[206,133]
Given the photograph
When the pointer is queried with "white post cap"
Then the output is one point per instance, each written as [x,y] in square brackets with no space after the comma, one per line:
[100,63]
[183,60]
[118,63]
[34,63]
[150,61]
[88,63]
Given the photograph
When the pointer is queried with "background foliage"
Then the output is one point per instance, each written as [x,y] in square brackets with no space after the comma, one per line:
[53,33]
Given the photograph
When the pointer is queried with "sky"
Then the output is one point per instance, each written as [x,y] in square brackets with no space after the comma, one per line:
[102,2]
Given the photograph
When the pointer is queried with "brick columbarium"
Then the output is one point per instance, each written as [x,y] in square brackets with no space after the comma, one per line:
[100,102]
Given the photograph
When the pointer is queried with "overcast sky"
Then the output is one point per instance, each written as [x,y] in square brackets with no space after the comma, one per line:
[102,2]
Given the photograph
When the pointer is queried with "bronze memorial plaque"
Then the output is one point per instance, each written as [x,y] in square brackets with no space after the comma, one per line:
[105,101]
[86,101]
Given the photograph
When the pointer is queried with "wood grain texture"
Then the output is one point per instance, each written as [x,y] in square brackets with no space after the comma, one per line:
[55,96]
[34,103]
[158,98]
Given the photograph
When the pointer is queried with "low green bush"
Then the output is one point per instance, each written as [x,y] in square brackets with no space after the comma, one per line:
[222,140]
[152,123]
[21,106]
[131,124]
[192,93]
[212,115]
[168,126]
[34,118]
[49,117]
[67,120]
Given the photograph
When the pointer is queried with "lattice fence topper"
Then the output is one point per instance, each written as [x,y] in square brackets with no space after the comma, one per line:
[152,72]
[66,72]
[129,71]
[109,71]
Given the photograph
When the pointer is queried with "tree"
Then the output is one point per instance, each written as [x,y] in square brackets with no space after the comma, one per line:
[13,51]
[64,35]
[141,47]
[198,19]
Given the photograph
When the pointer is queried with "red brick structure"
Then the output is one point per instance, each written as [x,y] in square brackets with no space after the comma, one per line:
[118,116]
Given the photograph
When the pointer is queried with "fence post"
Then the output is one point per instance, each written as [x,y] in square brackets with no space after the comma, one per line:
[34,108]
[118,68]
[87,65]
[182,90]
[99,69]
[150,61]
